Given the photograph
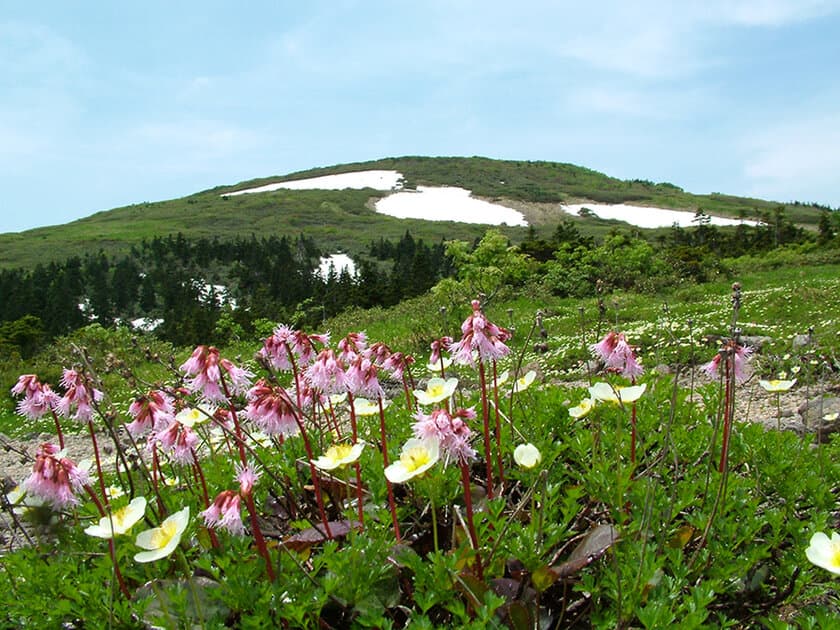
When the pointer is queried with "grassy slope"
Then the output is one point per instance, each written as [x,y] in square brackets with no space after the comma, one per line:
[343,219]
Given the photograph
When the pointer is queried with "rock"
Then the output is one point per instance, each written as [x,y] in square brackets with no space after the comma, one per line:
[821,416]
[801,341]
[756,342]
[663,369]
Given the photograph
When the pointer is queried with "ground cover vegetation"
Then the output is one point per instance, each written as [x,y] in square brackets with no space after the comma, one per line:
[552,454]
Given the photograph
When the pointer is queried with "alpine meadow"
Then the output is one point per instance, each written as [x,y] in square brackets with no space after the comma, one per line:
[338,399]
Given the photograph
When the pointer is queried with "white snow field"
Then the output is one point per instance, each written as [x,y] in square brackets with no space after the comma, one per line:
[450,203]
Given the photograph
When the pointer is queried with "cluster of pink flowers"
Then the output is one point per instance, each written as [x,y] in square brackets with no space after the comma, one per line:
[271,409]
[55,478]
[326,373]
[276,348]
[225,511]
[451,432]
[205,369]
[178,440]
[78,398]
[395,363]
[618,355]
[38,399]
[740,356]
[361,378]
[481,336]
[151,411]
[353,346]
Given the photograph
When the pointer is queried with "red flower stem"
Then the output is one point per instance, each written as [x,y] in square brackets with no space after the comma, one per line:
[498,426]
[307,445]
[727,420]
[410,376]
[332,421]
[409,399]
[199,474]
[98,464]
[155,485]
[485,416]
[259,539]
[465,480]
[240,440]
[316,480]
[58,429]
[391,502]
[113,552]
[633,434]
[356,466]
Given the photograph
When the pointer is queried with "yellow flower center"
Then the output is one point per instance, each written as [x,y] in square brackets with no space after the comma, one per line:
[119,517]
[337,452]
[435,390]
[163,534]
[415,458]
[835,557]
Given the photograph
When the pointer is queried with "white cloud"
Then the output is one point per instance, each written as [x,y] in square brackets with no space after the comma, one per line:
[776,12]
[797,160]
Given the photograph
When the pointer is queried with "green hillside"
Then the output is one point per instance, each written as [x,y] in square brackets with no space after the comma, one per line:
[346,220]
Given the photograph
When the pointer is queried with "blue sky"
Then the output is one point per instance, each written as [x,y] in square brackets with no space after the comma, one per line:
[104,104]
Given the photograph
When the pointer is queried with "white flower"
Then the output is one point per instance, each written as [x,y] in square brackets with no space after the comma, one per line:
[777,385]
[442,364]
[524,382]
[618,395]
[527,455]
[584,407]
[825,552]
[120,521]
[339,455]
[502,378]
[162,540]
[416,457]
[194,415]
[114,492]
[365,407]
[437,390]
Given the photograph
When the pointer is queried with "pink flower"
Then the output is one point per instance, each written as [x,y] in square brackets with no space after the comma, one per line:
[326,373]
[361,379]
[152,410]
[617,354]
[38,398]
[450,431]
[481,336]
[54,478]
[311,396]
[437,345]
[78,397]
[247,478]
[178,440]
[740,356]
[205,369]
[271,409]
[224,513]
[276,348]
[397,363]
[239,379]
[352,347]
